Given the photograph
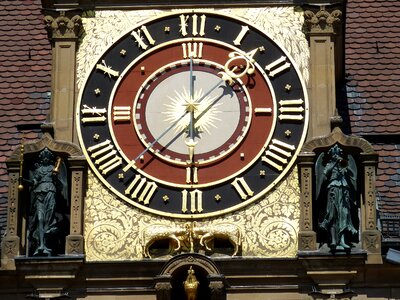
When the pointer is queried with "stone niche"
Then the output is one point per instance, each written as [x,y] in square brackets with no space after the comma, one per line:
[171,283]
[20,166]
[366,160]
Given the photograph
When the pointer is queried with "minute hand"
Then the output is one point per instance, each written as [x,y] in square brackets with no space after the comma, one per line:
[132,162]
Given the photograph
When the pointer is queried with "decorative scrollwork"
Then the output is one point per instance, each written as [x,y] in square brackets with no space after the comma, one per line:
[322,21]
[63,27]
[115,231]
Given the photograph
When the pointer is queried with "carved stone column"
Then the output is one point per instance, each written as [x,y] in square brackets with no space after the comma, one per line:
[74,241]
[163,287]
[10,246]
[307,236]
[64,32]
[371,237]
[322,69]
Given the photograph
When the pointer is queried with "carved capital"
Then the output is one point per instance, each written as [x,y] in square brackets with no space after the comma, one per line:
[307,241]
[163,287]
[9,250]
[322,21]
[217,287]
[63,27]
[74,244]
[10,247]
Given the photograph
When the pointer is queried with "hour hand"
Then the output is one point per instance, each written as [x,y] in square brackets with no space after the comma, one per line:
[191,143]
[191,107]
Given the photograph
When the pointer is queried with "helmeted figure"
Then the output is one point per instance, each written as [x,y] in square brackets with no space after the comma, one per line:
[336,176]
[48,185]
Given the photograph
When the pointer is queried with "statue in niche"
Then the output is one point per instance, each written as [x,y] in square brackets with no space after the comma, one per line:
[191,285]
[48,202]
[336,183]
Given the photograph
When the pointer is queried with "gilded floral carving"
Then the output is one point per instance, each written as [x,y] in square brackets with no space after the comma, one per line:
[113,229]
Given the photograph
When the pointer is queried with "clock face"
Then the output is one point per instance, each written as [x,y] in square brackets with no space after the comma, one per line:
[192,114]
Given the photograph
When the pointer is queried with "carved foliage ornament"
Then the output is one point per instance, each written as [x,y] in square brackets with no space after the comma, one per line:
[63,27]
[322,21]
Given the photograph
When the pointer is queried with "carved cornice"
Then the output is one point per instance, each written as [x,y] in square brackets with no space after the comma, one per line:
[63,27]
[184,260]
[67,148]
[322,21]
[337,136]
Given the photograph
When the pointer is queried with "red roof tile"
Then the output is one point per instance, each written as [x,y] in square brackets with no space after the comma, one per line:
[25,79]
[372,58]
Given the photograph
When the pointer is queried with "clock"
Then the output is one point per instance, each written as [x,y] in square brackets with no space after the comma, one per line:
[192,114]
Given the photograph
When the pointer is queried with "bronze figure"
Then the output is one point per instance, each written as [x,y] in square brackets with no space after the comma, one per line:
[336,176]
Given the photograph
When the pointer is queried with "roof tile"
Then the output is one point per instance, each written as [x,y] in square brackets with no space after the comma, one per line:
[25,79]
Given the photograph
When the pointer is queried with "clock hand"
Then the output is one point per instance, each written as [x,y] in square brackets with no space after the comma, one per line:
[132,162]
[191,107]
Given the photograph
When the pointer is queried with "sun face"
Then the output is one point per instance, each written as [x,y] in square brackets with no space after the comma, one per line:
[205,110]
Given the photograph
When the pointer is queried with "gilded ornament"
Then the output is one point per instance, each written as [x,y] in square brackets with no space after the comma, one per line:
[191,284]
[269,227]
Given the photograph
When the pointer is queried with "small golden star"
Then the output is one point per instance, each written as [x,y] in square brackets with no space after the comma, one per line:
[121,176]
[165,198]
[122,52]
[167,29]
[217,197]
[97,91]
[262,172]
[96,136]
[217,28]
[288,133]
[261,49]
[288,87]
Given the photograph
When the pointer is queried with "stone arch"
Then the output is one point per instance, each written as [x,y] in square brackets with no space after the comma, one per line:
[337,136]
[211,280]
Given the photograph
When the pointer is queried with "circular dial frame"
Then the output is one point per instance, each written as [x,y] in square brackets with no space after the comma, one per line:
[221,117]
[192,114]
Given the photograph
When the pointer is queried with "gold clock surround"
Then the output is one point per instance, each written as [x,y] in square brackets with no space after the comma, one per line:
[270,226]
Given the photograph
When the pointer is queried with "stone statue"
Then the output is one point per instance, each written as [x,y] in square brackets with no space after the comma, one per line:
[191,285]
[48,192]
[336,183]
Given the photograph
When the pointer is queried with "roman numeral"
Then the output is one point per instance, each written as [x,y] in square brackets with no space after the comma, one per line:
[278,154]
[242,188]
[263,110]
[107,69]
[194,50]
[105,156]
[196,201]
[141,189]
[140,38]
[191,175]
[121,114]
[197,29]
[291,110]
[93,114]
[241,35]
[277,66]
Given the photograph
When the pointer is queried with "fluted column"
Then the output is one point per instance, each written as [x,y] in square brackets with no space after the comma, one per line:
[64,32]
[321,32]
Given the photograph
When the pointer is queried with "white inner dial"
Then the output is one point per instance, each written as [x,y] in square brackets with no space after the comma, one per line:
[220,115]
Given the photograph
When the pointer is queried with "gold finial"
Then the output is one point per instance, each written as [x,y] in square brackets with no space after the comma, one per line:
[21,165]
[191,284]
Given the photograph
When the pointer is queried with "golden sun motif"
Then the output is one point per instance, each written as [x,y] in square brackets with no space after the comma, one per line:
[205,111]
